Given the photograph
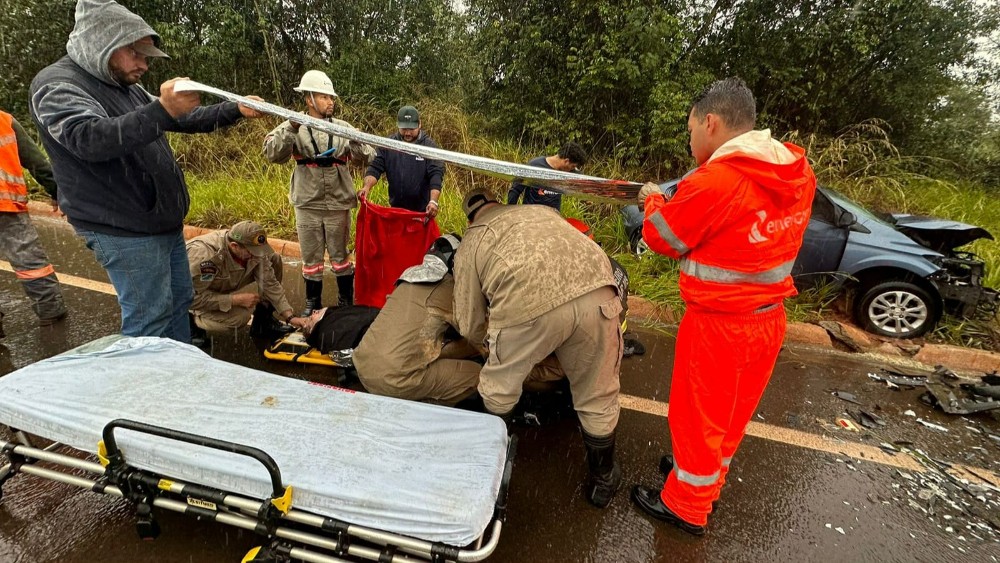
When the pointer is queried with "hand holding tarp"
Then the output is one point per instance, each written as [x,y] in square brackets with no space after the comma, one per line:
[250,113]
[178,104]
[647,190]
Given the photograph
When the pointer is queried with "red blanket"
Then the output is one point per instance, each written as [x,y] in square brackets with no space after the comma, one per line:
[388,240]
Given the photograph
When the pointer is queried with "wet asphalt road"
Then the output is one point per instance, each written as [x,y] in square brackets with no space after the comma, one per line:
[792,484]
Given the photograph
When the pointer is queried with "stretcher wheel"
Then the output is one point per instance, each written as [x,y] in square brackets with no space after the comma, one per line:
[146,526]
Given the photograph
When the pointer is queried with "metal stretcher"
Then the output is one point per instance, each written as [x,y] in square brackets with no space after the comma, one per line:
[322,474]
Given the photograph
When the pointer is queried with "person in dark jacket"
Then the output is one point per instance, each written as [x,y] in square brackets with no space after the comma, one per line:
[119,184]
[569,159]
[414,182]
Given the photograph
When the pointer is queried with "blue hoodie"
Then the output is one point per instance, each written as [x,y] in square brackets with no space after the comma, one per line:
[115,169]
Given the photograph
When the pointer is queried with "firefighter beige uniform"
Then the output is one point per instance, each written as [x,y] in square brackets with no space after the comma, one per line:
[322,191]
[545,290]
[217,275]
[409,351]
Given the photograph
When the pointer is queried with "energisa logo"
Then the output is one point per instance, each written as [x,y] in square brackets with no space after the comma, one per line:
[773,226]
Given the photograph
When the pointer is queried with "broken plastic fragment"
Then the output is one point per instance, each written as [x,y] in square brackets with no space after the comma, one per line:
[847,424]
[909,413]
[931,425]
[849,397]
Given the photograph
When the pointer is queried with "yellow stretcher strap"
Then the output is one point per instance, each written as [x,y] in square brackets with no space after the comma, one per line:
[284,503]
[102,453]
[251,555]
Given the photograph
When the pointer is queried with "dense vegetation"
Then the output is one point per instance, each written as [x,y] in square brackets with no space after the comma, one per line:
[896,100]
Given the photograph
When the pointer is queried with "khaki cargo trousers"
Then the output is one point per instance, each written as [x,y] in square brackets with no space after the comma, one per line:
[585,336]
[449,379]
[235,317]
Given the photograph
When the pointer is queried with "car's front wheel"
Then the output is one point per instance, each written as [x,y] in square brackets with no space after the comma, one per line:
[897,309]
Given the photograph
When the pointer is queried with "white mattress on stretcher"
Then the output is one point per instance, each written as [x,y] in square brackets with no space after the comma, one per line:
[398,466]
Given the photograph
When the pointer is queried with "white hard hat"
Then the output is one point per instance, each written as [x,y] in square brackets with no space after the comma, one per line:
[316,81]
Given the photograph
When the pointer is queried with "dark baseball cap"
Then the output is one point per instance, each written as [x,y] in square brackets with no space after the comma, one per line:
[250,235]
[408,118]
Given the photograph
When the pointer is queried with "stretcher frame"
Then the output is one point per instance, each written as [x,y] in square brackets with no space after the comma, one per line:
[290,534]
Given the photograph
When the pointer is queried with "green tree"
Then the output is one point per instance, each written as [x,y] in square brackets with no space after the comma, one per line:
[819,66]
[599,72]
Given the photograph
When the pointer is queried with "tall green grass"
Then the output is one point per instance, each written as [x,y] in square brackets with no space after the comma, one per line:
[230,181]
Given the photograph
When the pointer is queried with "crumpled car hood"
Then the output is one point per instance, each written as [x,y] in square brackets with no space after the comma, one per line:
[942,235]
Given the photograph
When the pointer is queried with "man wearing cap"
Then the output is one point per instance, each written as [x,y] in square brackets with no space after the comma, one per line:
[569,159]
[322,189]
[236,273]
[543,295]
[119,184]
[414,182]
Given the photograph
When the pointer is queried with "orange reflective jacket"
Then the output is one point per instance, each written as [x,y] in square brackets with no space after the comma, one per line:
[13,190]
[736,224]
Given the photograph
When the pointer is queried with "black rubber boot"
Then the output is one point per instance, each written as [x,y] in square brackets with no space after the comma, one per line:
[2,333]
[345,290]
[604,477]
[314,297]
[264,325]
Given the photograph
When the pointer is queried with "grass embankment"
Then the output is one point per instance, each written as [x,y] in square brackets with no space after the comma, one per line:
[230,181]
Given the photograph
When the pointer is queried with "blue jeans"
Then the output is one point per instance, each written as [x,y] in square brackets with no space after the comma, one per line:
[152,278]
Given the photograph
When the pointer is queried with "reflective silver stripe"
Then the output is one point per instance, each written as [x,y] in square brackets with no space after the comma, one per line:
[8,177]
[7,139]
[665,232]
[723,275]
[696,480]
[726,460]
[13,197]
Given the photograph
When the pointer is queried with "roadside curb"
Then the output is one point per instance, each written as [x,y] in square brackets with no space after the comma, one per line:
[846,337]
[853,340]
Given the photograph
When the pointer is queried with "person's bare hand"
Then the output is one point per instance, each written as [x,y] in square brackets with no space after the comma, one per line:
[178,104]
[432,209]
[247,300]
[251,113]
[297,322]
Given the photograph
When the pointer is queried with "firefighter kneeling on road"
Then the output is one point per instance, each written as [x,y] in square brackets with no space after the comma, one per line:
[736,225]
[412,351]
[223,263]
[545,289]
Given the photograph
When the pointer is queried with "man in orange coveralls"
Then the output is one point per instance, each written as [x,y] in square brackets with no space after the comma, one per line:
[736,224]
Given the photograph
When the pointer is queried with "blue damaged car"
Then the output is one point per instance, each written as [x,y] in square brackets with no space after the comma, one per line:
[902,272]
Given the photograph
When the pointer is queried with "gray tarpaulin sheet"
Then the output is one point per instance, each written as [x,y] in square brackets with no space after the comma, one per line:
[398,466]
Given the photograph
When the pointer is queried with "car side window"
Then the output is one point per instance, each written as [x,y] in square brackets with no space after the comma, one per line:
[823,209]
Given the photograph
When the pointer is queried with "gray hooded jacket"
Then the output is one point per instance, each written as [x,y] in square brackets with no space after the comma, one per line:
[116,172]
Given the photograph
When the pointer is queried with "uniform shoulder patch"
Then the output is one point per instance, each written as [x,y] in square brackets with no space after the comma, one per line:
[208,270]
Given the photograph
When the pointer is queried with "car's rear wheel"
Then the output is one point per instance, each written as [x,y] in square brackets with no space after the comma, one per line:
[897,309]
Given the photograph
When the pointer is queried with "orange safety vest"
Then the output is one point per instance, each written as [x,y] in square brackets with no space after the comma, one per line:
[13,189]
[736,225]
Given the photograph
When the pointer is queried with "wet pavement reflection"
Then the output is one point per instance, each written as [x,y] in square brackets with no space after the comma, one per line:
[798,490]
